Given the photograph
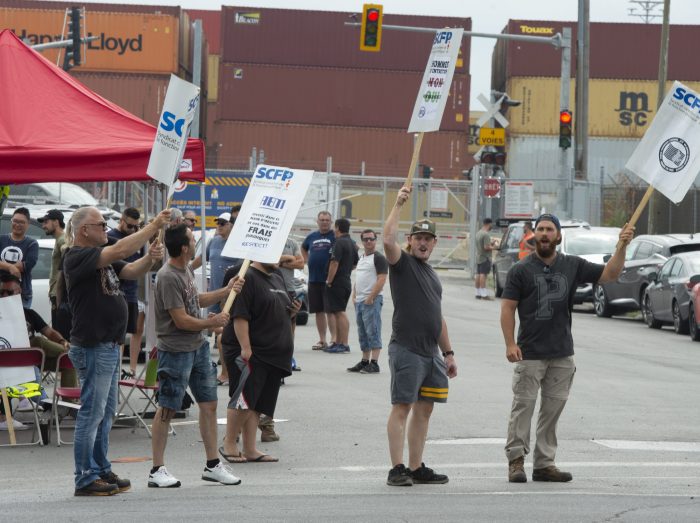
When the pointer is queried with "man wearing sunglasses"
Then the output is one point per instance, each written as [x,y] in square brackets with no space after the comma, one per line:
[128,225]
[541,287]
[92,272]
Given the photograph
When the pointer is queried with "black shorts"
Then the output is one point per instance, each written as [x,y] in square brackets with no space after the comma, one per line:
[318,301]
[133,319]
[261,388]
[484,267]
[337,296]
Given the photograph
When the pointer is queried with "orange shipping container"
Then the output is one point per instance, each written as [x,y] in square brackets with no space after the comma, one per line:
[127,42]
[616,108]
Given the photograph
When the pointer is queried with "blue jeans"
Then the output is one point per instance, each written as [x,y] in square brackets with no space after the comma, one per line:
[369,324]
[98,372]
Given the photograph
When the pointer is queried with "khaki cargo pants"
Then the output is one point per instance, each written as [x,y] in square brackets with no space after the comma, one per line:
[554,377]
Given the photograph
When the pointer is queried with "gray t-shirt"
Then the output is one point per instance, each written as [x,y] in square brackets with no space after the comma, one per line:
[545,297]
[176,289]
[417,295]
[483,240]
[290,247]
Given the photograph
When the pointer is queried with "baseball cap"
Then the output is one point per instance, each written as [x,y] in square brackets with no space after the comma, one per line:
[53,214]
[423,226]
[226,216]
[548,218]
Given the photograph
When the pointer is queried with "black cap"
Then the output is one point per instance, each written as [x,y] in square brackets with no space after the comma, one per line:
[53,214]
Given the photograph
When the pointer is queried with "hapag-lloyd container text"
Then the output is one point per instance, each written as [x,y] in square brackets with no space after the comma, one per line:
[126,42]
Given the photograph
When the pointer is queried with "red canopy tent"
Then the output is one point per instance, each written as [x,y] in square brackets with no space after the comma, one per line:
[53,128]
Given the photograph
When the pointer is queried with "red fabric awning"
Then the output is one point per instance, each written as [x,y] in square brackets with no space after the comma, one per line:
[54,129]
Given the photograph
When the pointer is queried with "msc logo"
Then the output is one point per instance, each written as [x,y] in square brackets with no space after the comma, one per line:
[170,122]
[443,37]
[274,174]
[634,108]
[272,203]
[689,98]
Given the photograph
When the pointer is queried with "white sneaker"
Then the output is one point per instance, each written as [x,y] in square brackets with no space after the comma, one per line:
[220,473]
[18,425]
[161,478]
[24,405]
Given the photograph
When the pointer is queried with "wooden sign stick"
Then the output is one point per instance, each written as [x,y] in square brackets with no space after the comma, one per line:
[414,160]
[232,294]
[638,211]
[8,417]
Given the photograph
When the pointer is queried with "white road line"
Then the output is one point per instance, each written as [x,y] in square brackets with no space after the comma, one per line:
[671,446]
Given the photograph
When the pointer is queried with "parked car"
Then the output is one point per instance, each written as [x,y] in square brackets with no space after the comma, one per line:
[694,310]
[508,248]
[302,293]
[52,193]
[667,297]
[595,245]
[645,254]
[40,279]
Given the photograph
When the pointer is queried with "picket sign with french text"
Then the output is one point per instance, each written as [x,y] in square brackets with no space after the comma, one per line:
[13,335]
[437,79]
[173,129]
[267,214]
[667,156]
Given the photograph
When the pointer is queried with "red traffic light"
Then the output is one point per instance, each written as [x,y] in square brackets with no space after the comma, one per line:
[565,117]
[372,15]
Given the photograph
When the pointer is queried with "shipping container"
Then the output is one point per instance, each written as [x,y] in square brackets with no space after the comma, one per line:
[127,42]
[618,50]
[140,94]
[385,152]
[211,21]
[331,96]
[109,8]
[213,78]
[320,38]
[617,108]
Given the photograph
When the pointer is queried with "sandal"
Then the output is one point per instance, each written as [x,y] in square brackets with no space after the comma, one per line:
[319,346]
[232,458]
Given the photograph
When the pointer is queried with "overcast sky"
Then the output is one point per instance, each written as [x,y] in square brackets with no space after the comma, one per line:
[488,16]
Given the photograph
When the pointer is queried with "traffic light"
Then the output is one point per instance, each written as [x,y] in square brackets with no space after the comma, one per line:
[72,57]
[371,31]
[427,171]
[565,120]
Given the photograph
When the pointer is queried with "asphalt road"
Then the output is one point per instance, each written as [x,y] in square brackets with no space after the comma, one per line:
[630,435]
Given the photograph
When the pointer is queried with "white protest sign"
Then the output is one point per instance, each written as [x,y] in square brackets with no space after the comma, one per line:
[667,156]
[437,78]
[13,335]
[179,107]
[267,214]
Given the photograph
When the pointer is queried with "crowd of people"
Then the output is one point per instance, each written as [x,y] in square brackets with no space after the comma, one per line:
[92,278]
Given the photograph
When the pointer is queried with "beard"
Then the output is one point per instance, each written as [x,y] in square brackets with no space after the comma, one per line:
[547,249]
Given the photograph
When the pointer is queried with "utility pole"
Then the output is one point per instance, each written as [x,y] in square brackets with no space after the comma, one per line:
[655,200]
[565,171]
[582,72]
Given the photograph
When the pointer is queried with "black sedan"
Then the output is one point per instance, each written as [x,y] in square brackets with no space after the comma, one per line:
[668,295]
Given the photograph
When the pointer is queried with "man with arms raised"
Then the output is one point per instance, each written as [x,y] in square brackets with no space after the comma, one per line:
[418,372]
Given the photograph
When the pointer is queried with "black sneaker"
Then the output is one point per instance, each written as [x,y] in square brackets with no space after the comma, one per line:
[127,375]
[399,476]
[357,368]
[122,484]
[99,487]
[427,476]
[551,473]
[371,368]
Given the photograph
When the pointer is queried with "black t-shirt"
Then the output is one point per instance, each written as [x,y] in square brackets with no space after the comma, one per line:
[96,301]
[417,295]
[344,251]
[130,288]
[545,297]
[264,302]
[35,323]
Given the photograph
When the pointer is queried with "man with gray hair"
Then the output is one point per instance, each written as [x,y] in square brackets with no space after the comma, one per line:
[92,272]
[175,217]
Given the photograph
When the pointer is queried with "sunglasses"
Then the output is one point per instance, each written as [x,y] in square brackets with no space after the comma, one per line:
[20,222]
[190,220]
[100,224]
[221,222]
[132,226]
[368,239]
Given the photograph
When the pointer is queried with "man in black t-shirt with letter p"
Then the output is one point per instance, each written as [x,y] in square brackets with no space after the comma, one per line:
[541,287]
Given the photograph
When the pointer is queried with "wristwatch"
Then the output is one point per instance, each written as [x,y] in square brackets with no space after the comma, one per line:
[448,353]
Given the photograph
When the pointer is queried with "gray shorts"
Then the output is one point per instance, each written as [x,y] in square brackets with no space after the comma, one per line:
[415,377]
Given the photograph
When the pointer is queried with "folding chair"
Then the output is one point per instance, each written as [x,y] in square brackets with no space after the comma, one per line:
[31,357]
[62,393]
[146,383]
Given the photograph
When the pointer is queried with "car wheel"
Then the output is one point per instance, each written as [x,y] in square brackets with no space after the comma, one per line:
[600,302]
[679,325]
[693,329]
[497,289]
[648,315]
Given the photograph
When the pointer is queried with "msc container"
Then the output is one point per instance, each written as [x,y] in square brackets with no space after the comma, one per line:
[618,50]
[331,96]
[386,152]
[320,38]
[142,95]
[617,108]
[127,42]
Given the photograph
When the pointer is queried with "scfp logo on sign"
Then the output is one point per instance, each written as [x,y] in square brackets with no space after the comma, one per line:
[443,37]
[170,122]
[274,174]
